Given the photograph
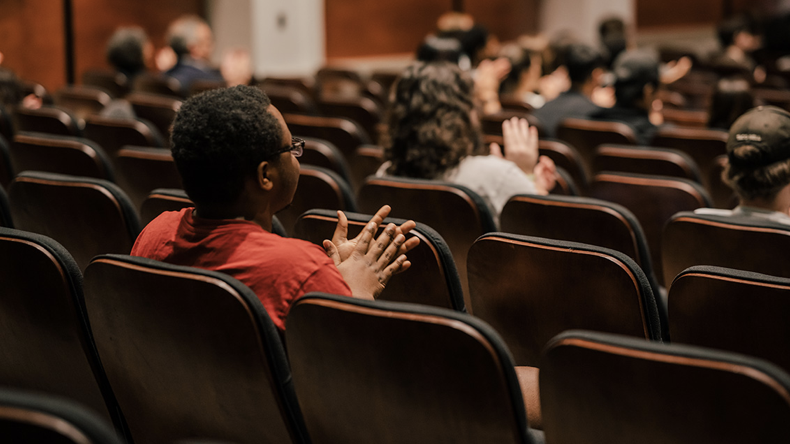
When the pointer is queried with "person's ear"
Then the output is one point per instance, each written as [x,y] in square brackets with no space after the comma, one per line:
[263,176]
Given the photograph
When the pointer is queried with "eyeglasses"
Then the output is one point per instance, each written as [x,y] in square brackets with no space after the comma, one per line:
[296,148]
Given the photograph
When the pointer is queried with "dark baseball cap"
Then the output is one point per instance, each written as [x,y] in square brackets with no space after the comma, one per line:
[766,128]
[637,67]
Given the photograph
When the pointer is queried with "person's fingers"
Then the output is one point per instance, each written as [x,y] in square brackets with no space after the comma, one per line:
[406,265]
[391,251]
[331,251]
[508,135]
[409,245]
[381,244]
[382,213]
[364,238]
[407,226]
[395,267]
[341,229]
[495,150]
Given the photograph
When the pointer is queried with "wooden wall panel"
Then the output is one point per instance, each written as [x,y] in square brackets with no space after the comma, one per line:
[357,28]
[31,40]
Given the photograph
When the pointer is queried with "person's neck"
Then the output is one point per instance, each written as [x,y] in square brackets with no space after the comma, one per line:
[774,205]
[262,218]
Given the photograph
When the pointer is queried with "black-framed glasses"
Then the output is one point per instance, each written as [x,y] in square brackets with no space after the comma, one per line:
[296,148]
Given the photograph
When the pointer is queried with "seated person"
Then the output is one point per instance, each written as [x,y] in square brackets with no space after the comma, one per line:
[731,99]
[635,88]
[738,40]
[128,50]
[434,133]
[585,68]
[191,39]
[237,161]
[758,154]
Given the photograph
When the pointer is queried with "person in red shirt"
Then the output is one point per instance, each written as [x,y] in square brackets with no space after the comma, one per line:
[238,164]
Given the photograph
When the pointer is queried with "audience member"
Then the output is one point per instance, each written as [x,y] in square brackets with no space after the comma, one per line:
[584,66]
[731,98]
[434,133]
[738,39]
[614,40]
[237,161]
[129,50]
[758,153]
[12,92]
[635,88]
[191,39]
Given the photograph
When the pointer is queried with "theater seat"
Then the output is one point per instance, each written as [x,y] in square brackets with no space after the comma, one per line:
[60,154]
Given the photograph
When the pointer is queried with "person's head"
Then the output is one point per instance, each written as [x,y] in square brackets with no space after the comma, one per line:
[758,153]
[190,35]
[738,31]
[581,61]
[10,88]
[435,49]
[731,98]
[432,126]
[520,63]
[612,32]
[636,79]
[128,49]
[229,143]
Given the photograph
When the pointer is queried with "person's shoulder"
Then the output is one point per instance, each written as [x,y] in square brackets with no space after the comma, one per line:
[289,250]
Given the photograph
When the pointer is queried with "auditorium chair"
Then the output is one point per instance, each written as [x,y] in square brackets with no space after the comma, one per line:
[156,83]
[530,289]
[685,117]
[5,210]
[203,85]
[600,388]
[303,84]
[30,417]
[362,110]
[653,200]
[335,82]
[6,168]
[345,134]
[366,162]
[47,119]
[6,125]
[324,154]
[115,133]
[318,188]
[457,213]
[645,160]
[87,216]
[190,354]
[586,135]
[734,310]
[60,154]
[385,372]
[157,109]
[114,83]
[141,170]
[702,145]
[47,343]
[772,96]
[491,124]
[82,101]
[432,278]
[722,195]
[290,99]
[742,243]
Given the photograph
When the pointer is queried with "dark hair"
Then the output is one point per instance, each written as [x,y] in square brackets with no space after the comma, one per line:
[219,138]
[756,183]
[430,121]
[633,71]
[728,29]
[520,62]
[613,38]
[472,40]
[581,60]
[125,50]
[434,49]
[183,33]
[731,98]
[10,88]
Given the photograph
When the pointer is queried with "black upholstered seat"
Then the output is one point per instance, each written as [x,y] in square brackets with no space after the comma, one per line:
[318,188]
[190,353]
[385,372]
[115,133]
[47,119]
[141,170]
[60,154]
[599,388]
[586,135]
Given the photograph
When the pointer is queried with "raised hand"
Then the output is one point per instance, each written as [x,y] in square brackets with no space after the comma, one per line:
[345,246]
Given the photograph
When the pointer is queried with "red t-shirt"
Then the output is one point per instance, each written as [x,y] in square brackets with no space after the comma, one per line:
[279,270]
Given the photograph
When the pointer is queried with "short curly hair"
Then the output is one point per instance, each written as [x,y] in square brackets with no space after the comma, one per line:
[218,140]
[125,49]
[756,183]
[430,121]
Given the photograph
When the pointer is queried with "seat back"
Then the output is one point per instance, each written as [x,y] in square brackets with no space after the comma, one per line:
[432,278]
[566,157]
[653,200]
[82,100]
[141,170]
[6,167]
[618,390]
[60,154]
[87,216]
[114,83]
[741,243]
[585,135]
[385,372]
[645,160]
[318,188]
[362,110]
[5,210]
[189,353]
[324,154]
[702,145]
[161,200]
[530,289]
[734,310]
[47,343]
[303,84]
[158,109]
[456,212]
[47,119]
[155,83]
[345,134]
[115,133]
[366,162]
[291,99]
[27,417]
